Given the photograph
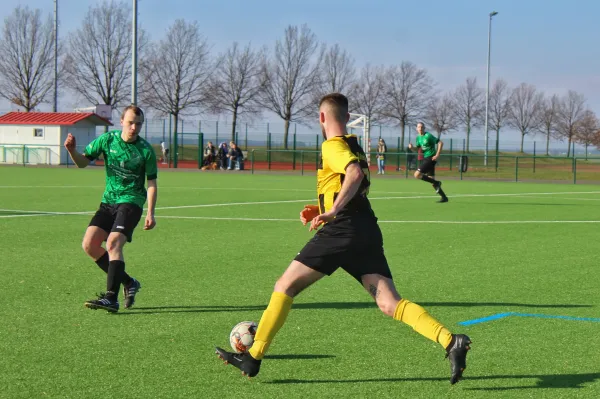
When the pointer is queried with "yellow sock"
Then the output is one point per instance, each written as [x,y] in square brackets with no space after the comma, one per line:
[422,322]
[271,321]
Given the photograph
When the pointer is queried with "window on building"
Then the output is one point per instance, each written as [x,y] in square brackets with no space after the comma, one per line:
[38,132]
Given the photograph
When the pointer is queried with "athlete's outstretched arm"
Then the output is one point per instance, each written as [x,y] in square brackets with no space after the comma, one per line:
[79,159]
[352,180]
[439,150]
[149,223]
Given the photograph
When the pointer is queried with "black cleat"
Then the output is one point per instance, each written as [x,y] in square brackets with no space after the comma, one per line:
[456,352]
[103,302]
[130,291]
[443,199]
[243,361]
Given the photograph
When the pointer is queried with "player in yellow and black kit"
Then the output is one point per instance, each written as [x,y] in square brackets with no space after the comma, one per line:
[350,239]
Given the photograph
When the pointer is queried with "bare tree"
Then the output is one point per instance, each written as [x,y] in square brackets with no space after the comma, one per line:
[441,115]
[26,64]
[98,64]
[470,104]
[588,130]
[406,91]
[367,91]
[499,107]
[338,73]
[236,83]
[549,119]
[525,108]
[176,73]
[291,76]
[570,113]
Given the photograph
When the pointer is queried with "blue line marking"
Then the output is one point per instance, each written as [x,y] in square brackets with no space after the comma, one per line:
[484,319]
[498,316]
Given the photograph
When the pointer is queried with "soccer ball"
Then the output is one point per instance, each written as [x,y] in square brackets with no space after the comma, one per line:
[241,337]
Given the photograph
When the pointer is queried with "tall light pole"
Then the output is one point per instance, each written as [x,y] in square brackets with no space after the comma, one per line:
[487,90]
[134,48]
[55,99]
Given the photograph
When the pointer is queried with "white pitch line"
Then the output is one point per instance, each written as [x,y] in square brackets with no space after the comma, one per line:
[312,200]
[228,218]
[234,203]
[389,221]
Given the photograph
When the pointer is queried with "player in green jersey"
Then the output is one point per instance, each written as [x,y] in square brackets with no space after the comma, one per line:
[129,160]
[432,147]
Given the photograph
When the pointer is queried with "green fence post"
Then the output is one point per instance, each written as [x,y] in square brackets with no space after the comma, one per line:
[246,142]
[182,142]
[450,155]
[294,147]
[302,163]
[317,154]
[200,150]
[170,144]
[460,167]
[217,133]
[574,170]
[497,149]
[252,161]
[534,157]
[516,169]
[269,150]
[464,146]
[406,171]
[398,155]
[164,128]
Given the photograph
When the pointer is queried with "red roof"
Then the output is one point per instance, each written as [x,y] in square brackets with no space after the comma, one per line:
[51,118]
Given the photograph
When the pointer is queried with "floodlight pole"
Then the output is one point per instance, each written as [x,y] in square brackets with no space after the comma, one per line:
[134,59]
[487,90]
[55,102]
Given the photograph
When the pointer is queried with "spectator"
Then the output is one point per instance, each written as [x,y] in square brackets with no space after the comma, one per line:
[222,154]
[235,156]
[381,150]
[210,153]
[165,152]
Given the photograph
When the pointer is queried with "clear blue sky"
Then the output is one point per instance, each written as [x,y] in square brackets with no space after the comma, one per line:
[551,44]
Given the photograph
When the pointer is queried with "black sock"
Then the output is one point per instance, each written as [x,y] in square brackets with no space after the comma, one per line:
[116,268]
[102,263]
[442,193]
[428,179]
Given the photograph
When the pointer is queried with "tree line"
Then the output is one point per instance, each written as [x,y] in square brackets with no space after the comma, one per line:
[179,75]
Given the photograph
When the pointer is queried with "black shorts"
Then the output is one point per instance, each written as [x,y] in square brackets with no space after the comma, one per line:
[356,246]
[427,167]
[120,218]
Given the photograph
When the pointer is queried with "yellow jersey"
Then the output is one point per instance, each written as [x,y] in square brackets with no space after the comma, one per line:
[336,154]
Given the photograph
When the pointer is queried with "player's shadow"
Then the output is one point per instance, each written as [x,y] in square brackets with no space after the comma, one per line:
[298,357]
[328,305]
[572,381]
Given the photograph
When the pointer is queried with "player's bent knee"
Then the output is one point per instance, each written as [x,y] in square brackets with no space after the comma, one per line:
[417,175]
[114,243]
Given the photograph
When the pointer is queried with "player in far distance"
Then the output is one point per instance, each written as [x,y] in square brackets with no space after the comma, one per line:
[165,152]
[432,147]
[351,239]
[129,160]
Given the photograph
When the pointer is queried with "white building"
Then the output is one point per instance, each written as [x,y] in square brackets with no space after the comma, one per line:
[38,137]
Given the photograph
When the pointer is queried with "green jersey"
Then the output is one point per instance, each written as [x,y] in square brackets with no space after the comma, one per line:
[428,142]
[127,165]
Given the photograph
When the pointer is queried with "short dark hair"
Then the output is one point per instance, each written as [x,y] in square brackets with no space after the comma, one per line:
[338,102]
[136,110]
